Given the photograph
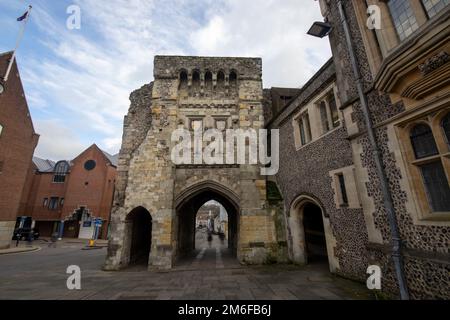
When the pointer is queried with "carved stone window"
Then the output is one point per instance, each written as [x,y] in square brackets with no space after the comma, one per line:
[430,164]
[329,115]
[305,128]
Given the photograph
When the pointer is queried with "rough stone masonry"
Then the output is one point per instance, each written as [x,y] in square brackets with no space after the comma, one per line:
[223,93]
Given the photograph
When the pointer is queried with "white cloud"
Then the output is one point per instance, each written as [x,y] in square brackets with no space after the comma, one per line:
[273,30]
[86,75]
[56,142]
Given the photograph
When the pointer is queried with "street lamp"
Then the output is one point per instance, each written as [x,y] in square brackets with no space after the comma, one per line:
[320,29]
[2,87]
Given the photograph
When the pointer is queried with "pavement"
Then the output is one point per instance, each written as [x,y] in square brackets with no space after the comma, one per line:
[210,273]
[20,249]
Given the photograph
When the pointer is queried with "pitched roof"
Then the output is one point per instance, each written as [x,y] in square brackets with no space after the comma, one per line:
[113,159]
[44,165]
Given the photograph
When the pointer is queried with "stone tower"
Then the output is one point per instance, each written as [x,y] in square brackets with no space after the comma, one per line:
[156,201]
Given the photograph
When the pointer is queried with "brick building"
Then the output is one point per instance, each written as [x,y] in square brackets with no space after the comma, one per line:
[17,143]
[65,196]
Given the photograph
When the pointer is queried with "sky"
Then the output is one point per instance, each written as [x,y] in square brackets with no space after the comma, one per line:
[77,82]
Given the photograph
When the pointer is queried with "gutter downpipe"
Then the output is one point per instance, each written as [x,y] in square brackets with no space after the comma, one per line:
[387,196]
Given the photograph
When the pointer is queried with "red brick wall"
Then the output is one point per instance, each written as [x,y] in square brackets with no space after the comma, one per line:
[17,143]
[96,195]
[91,189]
[43,187]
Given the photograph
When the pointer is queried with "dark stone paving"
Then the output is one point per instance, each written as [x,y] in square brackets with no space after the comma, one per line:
[211,273]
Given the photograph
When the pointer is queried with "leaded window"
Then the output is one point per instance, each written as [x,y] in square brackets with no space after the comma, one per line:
[430,161]
[403,17]
[436,184]
[423,142]
[433,7]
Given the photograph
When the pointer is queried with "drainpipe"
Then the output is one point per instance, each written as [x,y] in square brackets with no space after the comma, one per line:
[387,196]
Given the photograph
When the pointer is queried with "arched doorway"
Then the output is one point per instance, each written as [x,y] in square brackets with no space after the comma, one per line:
[188,205]
[139,227]
[311,238]
[315,241]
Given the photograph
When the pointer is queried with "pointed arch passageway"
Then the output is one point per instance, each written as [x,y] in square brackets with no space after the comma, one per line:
[206,238]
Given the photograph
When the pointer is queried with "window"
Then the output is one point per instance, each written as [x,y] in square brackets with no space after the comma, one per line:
[1,129]
[208,79]
[183,79]
[333,110]
[329,114]
[403,17]
[423,141]
[45,202]
[233,78]
[433,7]
[61,202]
[196,79]
[344,196]
[305,128]
[61,170]
[1,166]
[220,79]
[429,161]
[90,165]
[53,204]
[446,128]
[438,191]
[324,116]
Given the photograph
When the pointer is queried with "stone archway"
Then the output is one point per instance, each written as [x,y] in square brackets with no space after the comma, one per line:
[187,206]
[311,237]
[138,228]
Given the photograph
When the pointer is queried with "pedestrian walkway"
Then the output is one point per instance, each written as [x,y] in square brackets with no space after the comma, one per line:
[218,275]
[208,255]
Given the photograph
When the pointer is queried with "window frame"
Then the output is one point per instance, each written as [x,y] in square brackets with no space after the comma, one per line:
[303,121]
[428,13]
[394,22]
[418,188]
[330,123]
[55,202]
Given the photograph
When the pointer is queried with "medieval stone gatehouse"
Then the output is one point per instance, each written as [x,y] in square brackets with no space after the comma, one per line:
[156,201]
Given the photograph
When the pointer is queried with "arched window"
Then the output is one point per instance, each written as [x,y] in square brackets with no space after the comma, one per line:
[233,78]
[183,79]
[446,127]
[208,79]
[196,78]
[423,142]
[61,170]
[220,79]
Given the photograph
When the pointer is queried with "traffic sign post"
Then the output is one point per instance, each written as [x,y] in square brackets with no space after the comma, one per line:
[97,225]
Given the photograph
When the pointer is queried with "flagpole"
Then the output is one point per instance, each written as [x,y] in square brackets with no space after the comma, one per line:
[19,39]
